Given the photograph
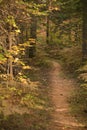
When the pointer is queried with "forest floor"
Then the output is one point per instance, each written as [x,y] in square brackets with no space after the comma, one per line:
[62,89]
[47,99]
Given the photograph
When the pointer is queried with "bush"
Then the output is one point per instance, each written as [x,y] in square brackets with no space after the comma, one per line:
[71,58]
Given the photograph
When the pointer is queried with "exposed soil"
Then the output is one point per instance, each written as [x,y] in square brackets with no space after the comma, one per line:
[62,88]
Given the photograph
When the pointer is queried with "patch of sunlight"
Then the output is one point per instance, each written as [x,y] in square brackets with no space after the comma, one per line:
[9,108]
[61,109]
[69,123]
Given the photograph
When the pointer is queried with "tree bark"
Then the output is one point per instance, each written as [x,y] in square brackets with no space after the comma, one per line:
[33,36]
[33,27]
[48,23]
[10,59]
[47,30]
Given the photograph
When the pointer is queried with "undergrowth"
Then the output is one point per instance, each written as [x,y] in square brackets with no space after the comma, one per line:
[26,105]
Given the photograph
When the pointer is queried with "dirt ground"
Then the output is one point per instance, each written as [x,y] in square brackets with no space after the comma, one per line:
[62,87]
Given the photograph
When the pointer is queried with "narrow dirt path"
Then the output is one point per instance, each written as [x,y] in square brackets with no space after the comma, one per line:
[62,88]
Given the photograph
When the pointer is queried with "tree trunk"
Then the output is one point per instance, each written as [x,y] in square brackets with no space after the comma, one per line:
[48,23]
[33,27]
[47,30]
[33,36]
[10,59]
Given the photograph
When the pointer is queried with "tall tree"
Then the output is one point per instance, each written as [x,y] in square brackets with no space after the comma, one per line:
[48,22]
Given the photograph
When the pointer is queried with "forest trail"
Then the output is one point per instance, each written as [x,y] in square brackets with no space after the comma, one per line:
[62,87]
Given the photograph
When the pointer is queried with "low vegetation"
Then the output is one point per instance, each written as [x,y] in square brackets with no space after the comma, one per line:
[25,105]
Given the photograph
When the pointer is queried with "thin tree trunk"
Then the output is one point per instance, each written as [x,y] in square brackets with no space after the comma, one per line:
[47,30]
[10,59]
[33,27]
[48,23]
[33,36]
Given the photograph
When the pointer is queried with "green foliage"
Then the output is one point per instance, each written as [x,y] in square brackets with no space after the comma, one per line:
[1,48]
[79,105]
[71,58]
[83,75]
[25,121]
[32,96]
[44,63]
[2,58]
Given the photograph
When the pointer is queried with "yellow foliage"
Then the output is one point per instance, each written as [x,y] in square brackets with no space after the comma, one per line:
[26,67]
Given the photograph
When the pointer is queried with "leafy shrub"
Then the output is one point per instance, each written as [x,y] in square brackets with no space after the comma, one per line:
[71,58]
[21,122]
